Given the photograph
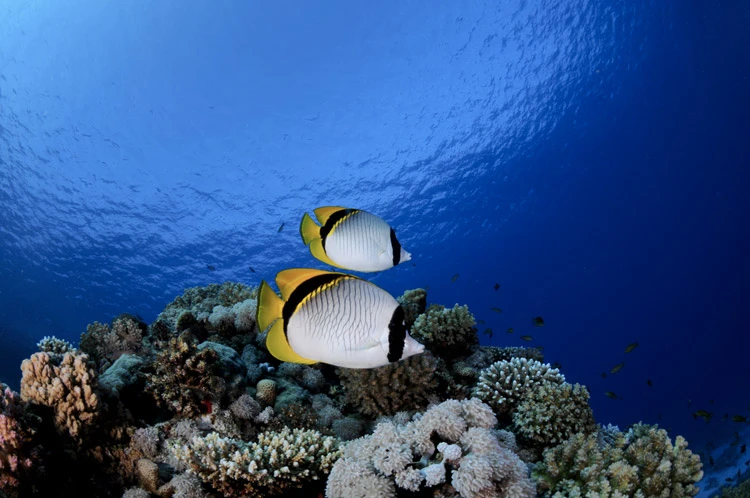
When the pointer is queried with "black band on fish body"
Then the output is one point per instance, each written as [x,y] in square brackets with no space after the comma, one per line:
[396,245]
[303,290]
[331,222]
[396,335]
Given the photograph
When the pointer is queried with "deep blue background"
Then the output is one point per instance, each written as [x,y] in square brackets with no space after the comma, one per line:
[590,157]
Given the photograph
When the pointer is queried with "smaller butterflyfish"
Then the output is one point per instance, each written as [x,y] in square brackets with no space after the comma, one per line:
[630,347]
[352,239]
[739,419]
[333,318]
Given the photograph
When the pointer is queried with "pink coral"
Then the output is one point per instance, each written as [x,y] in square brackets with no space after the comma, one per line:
[15,441]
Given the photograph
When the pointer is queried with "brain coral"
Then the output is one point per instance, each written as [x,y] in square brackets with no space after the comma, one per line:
[66,383]
[643,462]
[275,464]
[404,385]
[550,413]
[502,384]
[446,332]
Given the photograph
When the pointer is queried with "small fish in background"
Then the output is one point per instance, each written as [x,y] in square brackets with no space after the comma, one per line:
[604,375]
[454,277]
[333,318]
[352,239]
[527,338]
[711,460]
[496,310]
[611,395]
[488,332]
[650,384]
[725,417]
[630,347]
[510,330]
[711,402]
[743,448]
[705,415]
[617,368]
[281,228]
[251,269]
[539,348]
[537,321]
[211,267]
[556,365]
[741,419]
[497,286]
[481,321]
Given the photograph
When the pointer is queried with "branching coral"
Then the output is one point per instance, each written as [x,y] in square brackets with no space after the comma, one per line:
[454,438]
[502,384]
[105,344]
[53,345]
[643,462]
[67,384]
[446,332]
[550,413]
[484,356]
[414,303]
[404,385]
[183,379]
[275,464]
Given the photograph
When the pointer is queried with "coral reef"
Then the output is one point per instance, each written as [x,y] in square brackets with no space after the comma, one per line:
[642,462]
[504,383]
[67,385]
[446,332]
[17,449]
[414,303]
[549,413]
[273,465]
[400,386]
[53,345]
[406,457]
[104,344]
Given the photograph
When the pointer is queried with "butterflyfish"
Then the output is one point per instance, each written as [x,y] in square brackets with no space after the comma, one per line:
[352,239]
[333,318]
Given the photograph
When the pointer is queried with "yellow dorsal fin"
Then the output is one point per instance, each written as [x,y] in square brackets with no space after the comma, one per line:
[279,347]
[316,249]
[325,212]
[308,229]
[270,306]
[290,279]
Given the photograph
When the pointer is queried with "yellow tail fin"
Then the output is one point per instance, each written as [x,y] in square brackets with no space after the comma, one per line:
[279,347]
[308,229]
[270,307]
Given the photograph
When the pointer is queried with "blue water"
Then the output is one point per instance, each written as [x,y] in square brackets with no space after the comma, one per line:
[590,157]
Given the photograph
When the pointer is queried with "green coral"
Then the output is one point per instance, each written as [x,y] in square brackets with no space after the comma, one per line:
[414,303]
[551,413]
[276,464]
[642,463]
[448,333]
[503,384]
[405,385]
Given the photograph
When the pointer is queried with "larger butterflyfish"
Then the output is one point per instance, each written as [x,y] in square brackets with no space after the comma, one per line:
[352,239]
[333,318]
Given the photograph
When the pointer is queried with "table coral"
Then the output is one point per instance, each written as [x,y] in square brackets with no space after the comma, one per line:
[275,464]
[503,384]
[405,385]
[640,463]
[453,440]
[67,384]
[446,332]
